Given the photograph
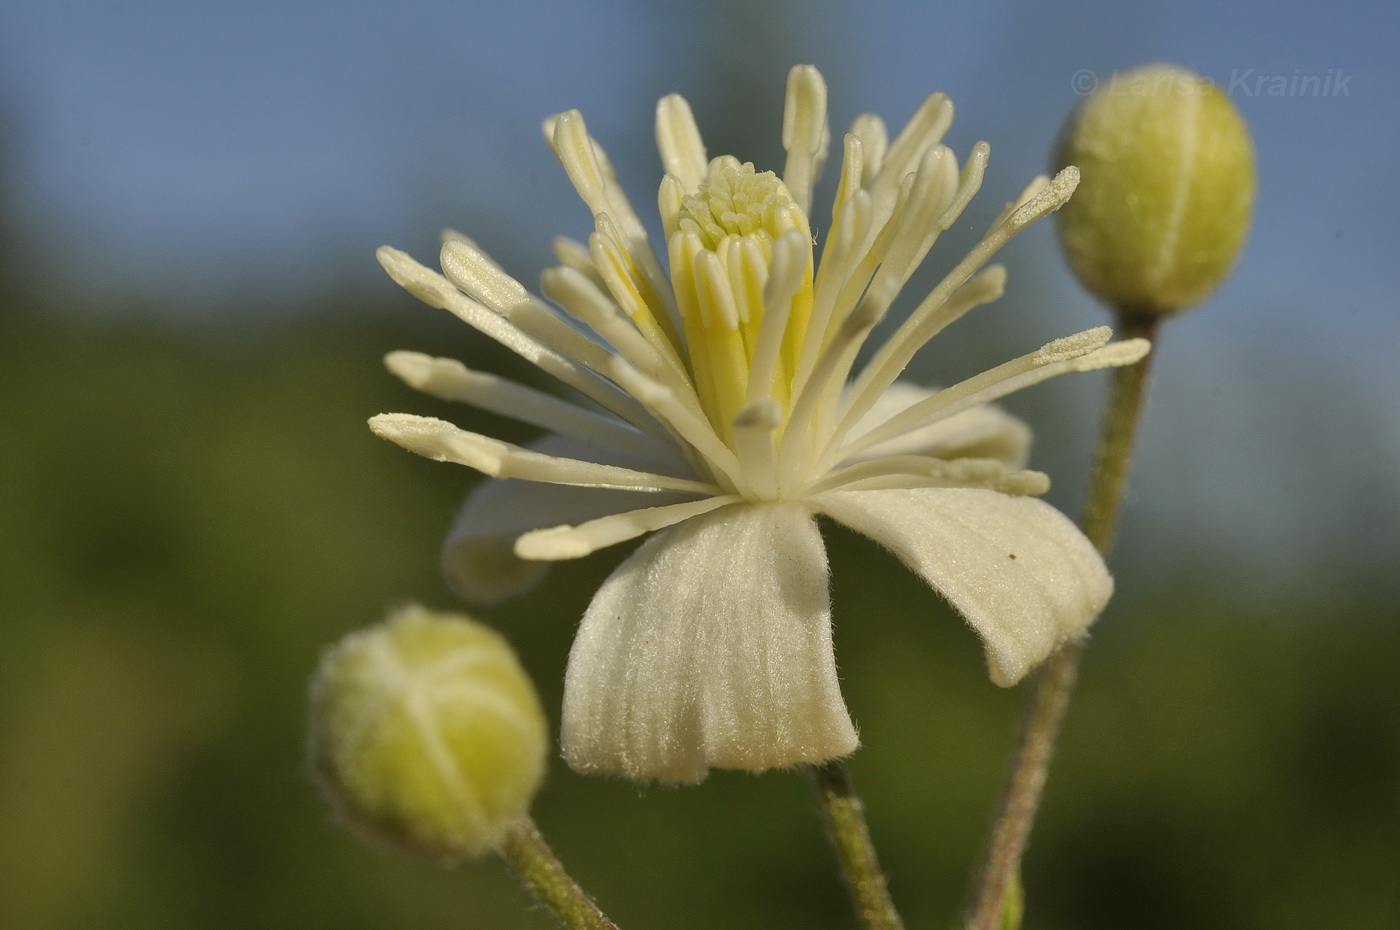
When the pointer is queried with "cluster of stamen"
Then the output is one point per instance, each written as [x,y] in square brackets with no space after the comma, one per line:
[740,317]
[732,349]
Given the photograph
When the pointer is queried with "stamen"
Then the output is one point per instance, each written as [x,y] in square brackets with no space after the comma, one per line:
[852,169]
[818,397]
[1053,196]
[436,291]
[734,257]
[836,277]
[718,309]
[755,434]
[669,200]
[449,379]
[791,257]
[443,442]
[592,174]
[1070,347]
[922,471]
[687,426]
[716,345]
[574,254]
[582,298]
[472,270]
[483,280]
[874,142]
[629,287]
[890,360]
[574,542]
[805,132]
[1031,191]
[924,130]
[1005,379]
[969,183]
[678,138]
[916,225]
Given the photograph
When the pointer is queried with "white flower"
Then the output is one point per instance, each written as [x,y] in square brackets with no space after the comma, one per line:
[729,419]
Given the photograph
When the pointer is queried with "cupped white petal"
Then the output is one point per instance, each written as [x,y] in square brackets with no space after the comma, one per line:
[709,647]
[1017,569]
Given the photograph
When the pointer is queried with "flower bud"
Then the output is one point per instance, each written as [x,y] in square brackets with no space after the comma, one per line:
[1166,189]
[426,733]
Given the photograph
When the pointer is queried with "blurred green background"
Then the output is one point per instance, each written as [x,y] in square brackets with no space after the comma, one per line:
[191,508]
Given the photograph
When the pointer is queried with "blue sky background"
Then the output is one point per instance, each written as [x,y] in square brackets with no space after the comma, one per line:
[199,157]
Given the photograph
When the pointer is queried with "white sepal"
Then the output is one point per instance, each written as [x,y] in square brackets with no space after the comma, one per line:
[1024,576]
[709,647]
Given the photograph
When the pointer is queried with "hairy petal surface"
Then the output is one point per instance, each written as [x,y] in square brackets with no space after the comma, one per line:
[709,647]
[1017,569]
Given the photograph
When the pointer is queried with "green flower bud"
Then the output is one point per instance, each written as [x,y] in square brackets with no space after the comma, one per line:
[1166,190]
[427,733]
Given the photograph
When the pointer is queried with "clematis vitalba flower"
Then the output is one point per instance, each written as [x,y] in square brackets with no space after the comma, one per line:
[727,412]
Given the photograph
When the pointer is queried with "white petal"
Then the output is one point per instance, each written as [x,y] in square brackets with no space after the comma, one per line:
[982,432]
[1017,569]
[709,647]
[478,557]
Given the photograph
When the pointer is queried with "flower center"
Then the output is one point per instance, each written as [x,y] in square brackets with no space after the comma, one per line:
[744,308]
[736,200]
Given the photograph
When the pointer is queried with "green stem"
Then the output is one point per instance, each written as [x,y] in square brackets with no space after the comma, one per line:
[1113,458]
[845,819]
[534,863]
[1054,681]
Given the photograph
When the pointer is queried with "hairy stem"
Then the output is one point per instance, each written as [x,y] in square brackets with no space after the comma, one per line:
[845,819]
[1054,681]
[534,862]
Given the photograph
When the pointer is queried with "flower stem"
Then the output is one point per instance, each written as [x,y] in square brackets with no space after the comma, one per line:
[1054,681]
[1113,458]
[534,863]
[845,819]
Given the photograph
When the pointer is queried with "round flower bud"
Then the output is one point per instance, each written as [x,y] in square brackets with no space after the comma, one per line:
[427,733]
[1166,189]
